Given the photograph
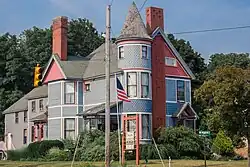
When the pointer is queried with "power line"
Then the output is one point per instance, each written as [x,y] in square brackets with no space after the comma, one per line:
[212,30]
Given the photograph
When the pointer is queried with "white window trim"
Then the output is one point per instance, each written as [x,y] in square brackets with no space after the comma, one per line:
[119,52]
[140,44]
[64,92]
[33,101]
[190,89]
[139,83]
[146,58]
[75,128]
[175,64]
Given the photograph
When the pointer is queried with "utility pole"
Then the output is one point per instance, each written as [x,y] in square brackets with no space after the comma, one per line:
[107,93]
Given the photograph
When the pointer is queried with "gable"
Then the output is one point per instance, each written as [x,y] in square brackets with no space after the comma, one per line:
[180,69]
[53,72]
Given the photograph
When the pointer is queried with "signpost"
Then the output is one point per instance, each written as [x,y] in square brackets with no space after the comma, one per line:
[130,138]
[205,134]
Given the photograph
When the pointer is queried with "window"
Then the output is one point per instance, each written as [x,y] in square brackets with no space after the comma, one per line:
[121,52]
[93,123]
[144,52]
[16,118]
[132,84]
[69,93]
[25,136]
[145,126]
[41,105]
[87,87]
[180,90]
[33,106]
[144,85]
[69,128]
[170,61]
[25,116]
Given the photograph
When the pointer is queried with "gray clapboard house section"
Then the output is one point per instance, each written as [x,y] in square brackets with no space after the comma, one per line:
[18,116]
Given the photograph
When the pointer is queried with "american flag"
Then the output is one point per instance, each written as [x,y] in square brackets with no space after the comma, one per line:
[121,94]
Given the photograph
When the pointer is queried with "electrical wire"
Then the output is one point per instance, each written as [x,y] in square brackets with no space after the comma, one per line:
[212,30]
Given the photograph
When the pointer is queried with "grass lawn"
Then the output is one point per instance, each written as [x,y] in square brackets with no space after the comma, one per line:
[175,163]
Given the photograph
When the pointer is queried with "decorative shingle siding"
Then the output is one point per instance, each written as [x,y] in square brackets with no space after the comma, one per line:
[133,58]
[138,105]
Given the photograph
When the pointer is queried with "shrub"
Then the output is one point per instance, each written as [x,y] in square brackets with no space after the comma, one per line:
[150,152]
[46,145]
[17,155]
[222,144]
[182,141]
[35,150]
[55,154]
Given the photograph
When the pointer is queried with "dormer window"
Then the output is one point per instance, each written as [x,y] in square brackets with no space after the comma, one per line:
[121,52]
[144,52]
[169,61]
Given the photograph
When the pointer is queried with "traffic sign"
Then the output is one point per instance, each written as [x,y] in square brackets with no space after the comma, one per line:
[204,133]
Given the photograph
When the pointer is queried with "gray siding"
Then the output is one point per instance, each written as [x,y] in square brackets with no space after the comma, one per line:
[16,129]
[69,111]
[97,91]
[54,112]
[37,108]
[54,94]
[54,130]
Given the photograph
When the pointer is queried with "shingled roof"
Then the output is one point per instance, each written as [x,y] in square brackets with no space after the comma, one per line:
[22,104]
[134,26]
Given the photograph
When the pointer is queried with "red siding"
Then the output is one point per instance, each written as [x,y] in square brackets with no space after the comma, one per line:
[53,73]
[176,71]
[158,84]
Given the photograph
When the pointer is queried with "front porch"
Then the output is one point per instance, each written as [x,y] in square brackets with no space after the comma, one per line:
[185,116]
[39,129]
[94,118]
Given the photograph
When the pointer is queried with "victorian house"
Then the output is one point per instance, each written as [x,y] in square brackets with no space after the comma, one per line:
[72,97]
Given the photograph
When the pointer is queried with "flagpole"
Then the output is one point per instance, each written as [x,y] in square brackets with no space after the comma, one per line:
[118,121]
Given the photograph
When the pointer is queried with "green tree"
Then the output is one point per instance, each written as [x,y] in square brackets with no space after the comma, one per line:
[83,38]
[20,54]
[240,60]
[223,144]
[227,96]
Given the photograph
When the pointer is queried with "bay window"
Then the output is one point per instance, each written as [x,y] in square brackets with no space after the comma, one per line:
[132,84]
[144,52]
[144,85]
[121,52]
[69,128]
[69,93]
[180,90]
[145,126]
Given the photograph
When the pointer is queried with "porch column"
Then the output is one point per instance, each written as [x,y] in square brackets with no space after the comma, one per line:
[195,125]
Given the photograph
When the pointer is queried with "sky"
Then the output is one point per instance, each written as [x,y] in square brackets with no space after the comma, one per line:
[179,16]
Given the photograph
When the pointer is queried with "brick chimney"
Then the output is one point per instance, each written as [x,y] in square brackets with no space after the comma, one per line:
[154,18]
[60,44]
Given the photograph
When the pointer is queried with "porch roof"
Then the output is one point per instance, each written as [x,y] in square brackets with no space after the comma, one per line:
[186,110]
[42,117]
[96,110]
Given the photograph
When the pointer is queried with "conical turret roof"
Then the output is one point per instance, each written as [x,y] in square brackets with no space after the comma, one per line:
[134,26]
